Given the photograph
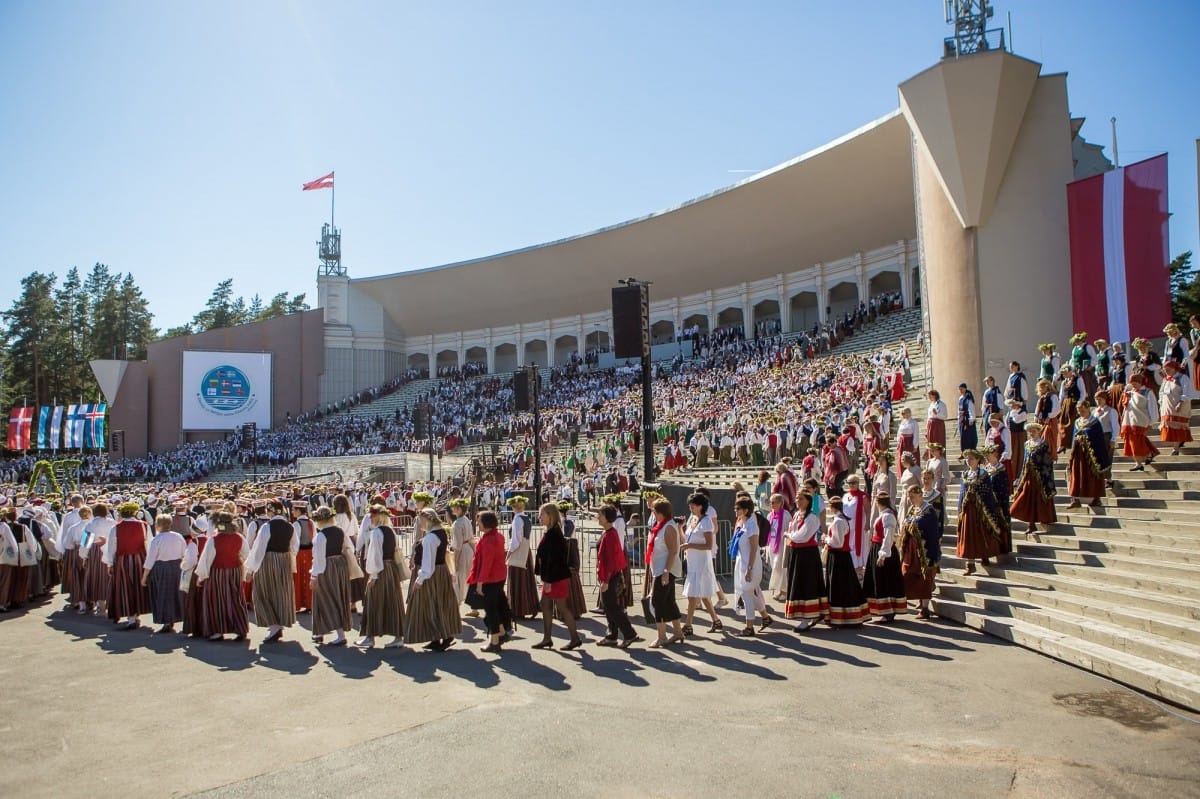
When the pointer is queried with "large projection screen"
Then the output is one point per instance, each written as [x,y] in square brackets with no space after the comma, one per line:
[225,390]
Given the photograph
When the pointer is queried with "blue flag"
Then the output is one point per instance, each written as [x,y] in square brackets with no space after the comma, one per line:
[93,430]
[73,433]
[43,441]
[56,419]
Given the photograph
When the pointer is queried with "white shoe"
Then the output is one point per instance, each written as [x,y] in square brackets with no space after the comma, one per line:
[722,602]
[365,643]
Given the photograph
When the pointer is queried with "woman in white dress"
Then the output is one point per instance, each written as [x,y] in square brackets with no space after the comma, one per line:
[462,541]
[701,583]
[748,567]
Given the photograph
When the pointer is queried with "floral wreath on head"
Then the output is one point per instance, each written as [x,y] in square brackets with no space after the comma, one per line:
[564,505]
[128,509]
[1045,347]
[1079,337]
[612,499]
[422,496]
[460,503]
[1140,342]
[650,497]
[517,499]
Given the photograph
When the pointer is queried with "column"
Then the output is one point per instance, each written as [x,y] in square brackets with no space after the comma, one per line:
[860,271]
[906,287]
[785,303]
[748,320]
[579,340]
[676,321]
[491,352]
[822,297]
[712,312]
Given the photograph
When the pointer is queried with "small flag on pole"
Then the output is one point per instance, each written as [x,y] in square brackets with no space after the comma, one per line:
[93,435]
[73,434]
[56,420]
[325,182]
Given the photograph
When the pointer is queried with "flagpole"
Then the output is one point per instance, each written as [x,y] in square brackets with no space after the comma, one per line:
[332,198]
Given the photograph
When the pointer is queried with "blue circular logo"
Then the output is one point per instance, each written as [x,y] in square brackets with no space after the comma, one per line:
[225,391]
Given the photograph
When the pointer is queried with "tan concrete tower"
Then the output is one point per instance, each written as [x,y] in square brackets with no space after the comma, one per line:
[991,161]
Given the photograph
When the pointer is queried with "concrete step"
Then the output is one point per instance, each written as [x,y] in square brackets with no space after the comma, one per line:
[1114,612]
[1167,568]
[1148,551]
[1173,684]
[1169,652]
[1159,595]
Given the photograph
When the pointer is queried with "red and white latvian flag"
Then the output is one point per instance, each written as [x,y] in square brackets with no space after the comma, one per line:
[325,182]
[1120,283]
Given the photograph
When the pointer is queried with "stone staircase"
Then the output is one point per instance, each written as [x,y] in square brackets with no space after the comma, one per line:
[1115,589]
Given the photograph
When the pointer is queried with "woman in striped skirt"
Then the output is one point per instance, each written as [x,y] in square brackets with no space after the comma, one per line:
[883,582]
[125,552]
[383,601]
[345,520]
[433,606]
[219,578]
[270,567]
[95,572]
[807,597]
[847,602]
[161,574]
[575,598]
[72,561]
[522,589]
[462,541]
[333,567]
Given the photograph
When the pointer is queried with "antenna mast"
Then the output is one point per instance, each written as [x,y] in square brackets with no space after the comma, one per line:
[971,33]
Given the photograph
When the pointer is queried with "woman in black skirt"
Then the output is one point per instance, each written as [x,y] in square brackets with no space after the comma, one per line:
[161,574]
[883,583]
[663,569]
[552,566]
[807,596]
[847,603]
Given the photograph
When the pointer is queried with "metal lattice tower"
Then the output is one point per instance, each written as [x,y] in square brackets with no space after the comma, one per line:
[329,250]
[971,33]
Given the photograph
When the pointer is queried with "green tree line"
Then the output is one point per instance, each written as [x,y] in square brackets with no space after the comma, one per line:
[54,327]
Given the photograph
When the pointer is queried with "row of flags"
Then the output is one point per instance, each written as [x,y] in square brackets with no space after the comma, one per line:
[58,427]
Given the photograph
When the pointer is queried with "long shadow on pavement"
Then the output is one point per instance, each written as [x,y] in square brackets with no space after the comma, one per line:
[286,656]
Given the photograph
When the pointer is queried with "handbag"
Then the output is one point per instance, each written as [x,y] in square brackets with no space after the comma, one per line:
[648,611]
[474,598]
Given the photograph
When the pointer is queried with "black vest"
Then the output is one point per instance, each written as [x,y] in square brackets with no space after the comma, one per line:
[280,533]
[440,558]
[306,532]
[389,543]
[335,539]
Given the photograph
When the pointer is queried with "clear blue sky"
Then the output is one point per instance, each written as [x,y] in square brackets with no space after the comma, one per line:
[170,139]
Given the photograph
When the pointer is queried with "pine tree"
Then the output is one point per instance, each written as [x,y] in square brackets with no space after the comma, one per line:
[29,323]
[1185,289]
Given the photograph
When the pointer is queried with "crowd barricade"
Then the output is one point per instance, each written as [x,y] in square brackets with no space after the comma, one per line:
[723,565]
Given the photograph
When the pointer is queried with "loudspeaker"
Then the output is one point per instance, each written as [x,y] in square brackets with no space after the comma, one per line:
[521,390]
[631,321]
[421,420]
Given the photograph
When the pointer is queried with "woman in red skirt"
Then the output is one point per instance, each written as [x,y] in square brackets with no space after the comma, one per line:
[978,533]
[1089,458]
[1033,502]
[935,420]
[552,566]
[125,552]
[1141,411]
[219,578]
[1175,406]
[906,440]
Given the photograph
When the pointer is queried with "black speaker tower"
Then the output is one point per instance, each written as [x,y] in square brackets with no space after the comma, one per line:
[631,320]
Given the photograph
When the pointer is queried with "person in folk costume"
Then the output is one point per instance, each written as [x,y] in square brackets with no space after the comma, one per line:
[1194,351]
[1046,413]
[968,437]
[747,570]
[773,544]
[91,552]
[302,579]
[1146,363]
[219,579]
[885,481]
[1071,389]
[1141,411]
[1083,362]
[920,550]
[1117,379]
[1175,405]
[785,485]
[856,506]
[1089,460]
[998,436]
[895,384]
[1177,349]
[197,538]
[161,574]
[522,589]
[997,474]
[70,548]
[1017,387]
[433,607]
[1110,425]
[1049,366]
[978,533]
[18,554]
[935,419]
[256,523]
[125,554]
[847,603]
[883,582]
[43,525]
[1102,365]
[807,594]
[910,473]
[383,600]
[1033,500]
[610,569]
[270,568]
[334,568]
[1015,420]
[345,519]
[462,543]
[993,400]
[873,443]
[906,438]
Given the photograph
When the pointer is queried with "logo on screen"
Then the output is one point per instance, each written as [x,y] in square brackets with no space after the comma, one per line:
[226,391]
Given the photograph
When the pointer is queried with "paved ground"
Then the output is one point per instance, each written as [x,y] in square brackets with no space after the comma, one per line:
[916,709]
